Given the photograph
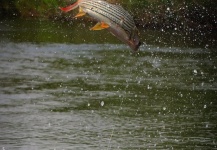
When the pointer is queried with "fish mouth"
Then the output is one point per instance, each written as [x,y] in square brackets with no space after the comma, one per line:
[138,45]
[135,44]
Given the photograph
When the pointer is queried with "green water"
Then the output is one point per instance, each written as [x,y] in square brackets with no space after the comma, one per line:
[65,87]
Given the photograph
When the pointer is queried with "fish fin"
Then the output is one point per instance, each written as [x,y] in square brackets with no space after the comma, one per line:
[100,26]
[70,7]
[80,13]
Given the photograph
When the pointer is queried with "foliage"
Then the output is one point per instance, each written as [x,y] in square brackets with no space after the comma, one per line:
[34,8]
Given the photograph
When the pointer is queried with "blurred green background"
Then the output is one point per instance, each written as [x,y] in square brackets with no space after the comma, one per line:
[169,14]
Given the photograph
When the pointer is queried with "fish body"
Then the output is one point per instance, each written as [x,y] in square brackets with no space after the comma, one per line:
[109,16]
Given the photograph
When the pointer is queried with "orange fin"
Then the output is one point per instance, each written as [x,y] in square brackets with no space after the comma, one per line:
[80,13]
[70,7]
[100,26]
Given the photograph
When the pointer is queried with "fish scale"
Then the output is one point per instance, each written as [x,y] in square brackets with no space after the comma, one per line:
[102,9]
[105,10]
[116,8]
[119,11]
[115,20]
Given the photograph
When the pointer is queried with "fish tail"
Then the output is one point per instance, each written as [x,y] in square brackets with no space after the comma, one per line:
[70,7]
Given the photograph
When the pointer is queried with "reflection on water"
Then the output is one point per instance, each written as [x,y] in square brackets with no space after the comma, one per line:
[100,96]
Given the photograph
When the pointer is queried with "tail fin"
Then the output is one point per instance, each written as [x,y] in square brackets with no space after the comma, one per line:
[70,7]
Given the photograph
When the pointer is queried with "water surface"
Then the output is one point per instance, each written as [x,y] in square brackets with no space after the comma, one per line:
[62,89]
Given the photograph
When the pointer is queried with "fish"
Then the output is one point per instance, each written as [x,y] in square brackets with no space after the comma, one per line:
[109,16]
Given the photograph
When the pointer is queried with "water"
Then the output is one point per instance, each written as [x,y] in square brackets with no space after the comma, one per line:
[63,88]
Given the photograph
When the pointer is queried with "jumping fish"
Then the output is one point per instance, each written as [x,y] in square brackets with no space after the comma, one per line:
[109,16]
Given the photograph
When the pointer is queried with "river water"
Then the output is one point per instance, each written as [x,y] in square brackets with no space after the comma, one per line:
[65,87]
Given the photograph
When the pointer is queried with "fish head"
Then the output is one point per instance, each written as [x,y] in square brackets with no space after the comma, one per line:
[134,41]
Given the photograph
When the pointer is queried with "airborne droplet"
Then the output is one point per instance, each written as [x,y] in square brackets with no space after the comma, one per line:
[102,103]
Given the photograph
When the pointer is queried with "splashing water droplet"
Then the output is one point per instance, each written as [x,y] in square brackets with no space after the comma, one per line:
[195,71]
[102,103]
